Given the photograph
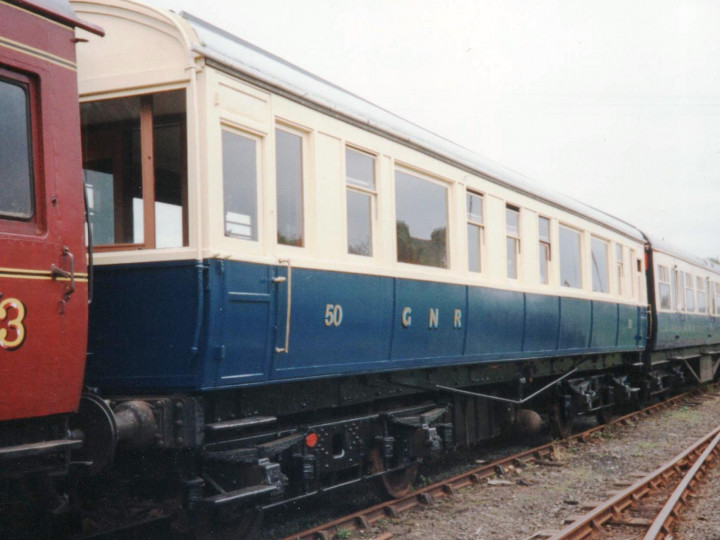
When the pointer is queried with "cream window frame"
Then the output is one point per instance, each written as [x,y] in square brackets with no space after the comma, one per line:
[371,193]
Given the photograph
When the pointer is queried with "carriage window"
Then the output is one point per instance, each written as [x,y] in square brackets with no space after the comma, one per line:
[717,298]
[16,180]
[701,305]
[240,185]
[135,168]
[664,289]
[512,239]
[599,252]
[360,179]
[289,171]
[678,283]
[689,292]
[619,262]
[475,231]
[570,274]
[544,238]
[421,220]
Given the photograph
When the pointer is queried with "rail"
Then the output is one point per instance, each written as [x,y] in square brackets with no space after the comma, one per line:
[363,519]
[616,511]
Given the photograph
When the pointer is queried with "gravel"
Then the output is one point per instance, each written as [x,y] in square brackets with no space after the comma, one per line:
[541,497]
[701,520]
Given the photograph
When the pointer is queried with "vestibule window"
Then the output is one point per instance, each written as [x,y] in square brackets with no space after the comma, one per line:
[240,190]
[599,252]
[512,242]
[570,268]
[361,193]
[16,163]
[421,220]
[544,253]
[135,166]
[475,231]
[289,170]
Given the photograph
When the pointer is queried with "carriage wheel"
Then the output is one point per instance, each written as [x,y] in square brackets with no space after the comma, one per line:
[396,484]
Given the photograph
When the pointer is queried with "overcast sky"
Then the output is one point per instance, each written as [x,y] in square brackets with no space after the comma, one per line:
[615,103]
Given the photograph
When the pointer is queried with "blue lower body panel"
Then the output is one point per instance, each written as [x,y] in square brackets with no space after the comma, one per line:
[686,330]
[219,324]
[143,324]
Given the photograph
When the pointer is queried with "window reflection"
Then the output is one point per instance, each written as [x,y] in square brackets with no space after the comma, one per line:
[421,214]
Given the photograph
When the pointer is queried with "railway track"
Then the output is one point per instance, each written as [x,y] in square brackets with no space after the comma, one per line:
[652,504]
[364,519]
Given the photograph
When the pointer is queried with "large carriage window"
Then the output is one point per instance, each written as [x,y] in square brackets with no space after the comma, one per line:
[544,253]
[570,275]
[664,287]
[136,170]
[16,178]
[599,252]
[475,231]
[512,240]
[421,220]
[289,170]
[240,185]
[360,178]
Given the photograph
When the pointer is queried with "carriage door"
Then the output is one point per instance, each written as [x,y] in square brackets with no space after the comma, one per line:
[42,323]
[244,292]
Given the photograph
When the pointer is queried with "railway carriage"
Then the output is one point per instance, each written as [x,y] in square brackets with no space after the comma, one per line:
[685,311]
[306,290]
[43,270]
[293,289]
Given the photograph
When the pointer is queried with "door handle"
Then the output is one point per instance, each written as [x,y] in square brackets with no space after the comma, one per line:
[281,279]
[57,272]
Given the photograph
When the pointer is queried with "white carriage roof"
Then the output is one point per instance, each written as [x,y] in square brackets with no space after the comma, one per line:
[659,244]
[245,59]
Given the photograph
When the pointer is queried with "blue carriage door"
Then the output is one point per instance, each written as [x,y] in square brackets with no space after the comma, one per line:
[246,317]
[244,296]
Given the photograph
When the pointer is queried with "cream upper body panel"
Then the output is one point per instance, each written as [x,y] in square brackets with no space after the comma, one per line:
[232,87]
[684,283]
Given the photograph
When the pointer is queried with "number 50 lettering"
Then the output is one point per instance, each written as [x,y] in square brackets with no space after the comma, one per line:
[333,315]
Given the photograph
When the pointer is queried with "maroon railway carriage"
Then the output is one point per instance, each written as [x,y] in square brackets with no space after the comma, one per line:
[43,268]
